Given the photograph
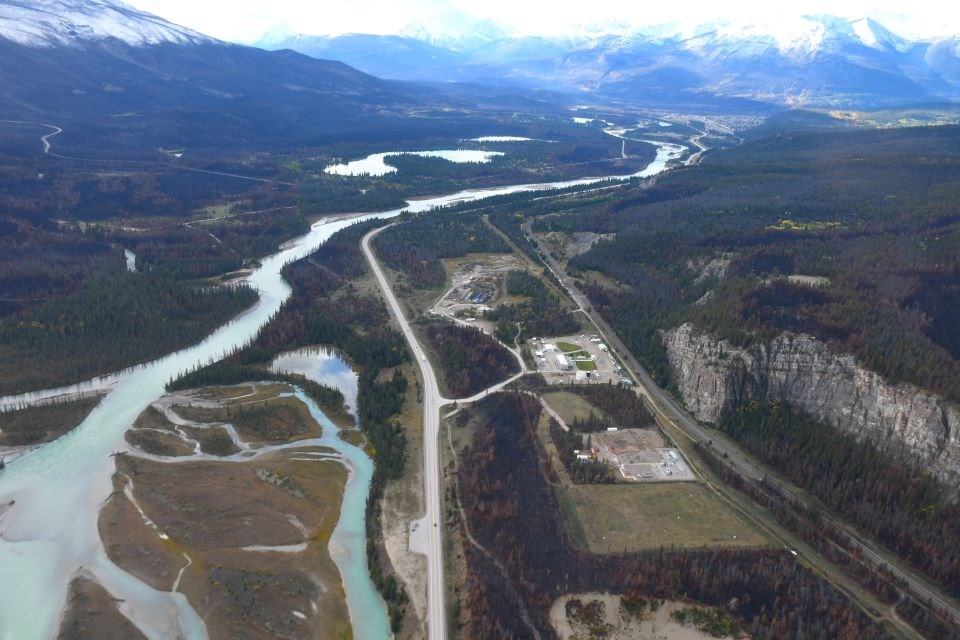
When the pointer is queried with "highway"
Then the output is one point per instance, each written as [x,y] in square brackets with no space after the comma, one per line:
[432,401]
[668,411]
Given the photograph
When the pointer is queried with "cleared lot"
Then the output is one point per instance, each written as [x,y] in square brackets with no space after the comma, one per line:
[641,455]
[633,517]
[569,406]
[636,516]
[476,285]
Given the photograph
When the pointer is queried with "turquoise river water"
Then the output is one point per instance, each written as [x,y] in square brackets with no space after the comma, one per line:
[50,497]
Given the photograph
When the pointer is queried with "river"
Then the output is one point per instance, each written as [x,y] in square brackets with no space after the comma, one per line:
[324,366]
[376,165]
[50,497]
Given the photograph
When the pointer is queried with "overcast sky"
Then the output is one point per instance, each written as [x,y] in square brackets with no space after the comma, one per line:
[247,20]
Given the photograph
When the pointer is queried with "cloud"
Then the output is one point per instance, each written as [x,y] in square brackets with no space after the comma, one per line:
[248,20]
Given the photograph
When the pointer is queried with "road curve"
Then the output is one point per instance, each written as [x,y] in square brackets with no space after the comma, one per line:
[45,140]
[47,146]
[432,401]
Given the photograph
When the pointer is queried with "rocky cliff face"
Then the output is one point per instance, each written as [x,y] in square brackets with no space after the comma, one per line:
[902,418]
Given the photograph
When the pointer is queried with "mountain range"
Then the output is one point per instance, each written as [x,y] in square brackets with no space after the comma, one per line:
[821,61]
[118,79]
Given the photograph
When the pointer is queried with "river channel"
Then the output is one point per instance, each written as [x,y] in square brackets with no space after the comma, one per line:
[50,497]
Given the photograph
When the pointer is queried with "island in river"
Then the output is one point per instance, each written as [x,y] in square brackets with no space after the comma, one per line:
[229,498]
[48,536]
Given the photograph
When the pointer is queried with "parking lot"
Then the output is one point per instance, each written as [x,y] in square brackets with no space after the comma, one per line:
[581,359]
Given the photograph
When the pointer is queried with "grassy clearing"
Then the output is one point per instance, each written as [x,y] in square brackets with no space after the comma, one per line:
[33,425]
[93,613]
[415,301]
[213,440]
[402,502]
[280,419]
[352,436]
[567,347]
[246,393]
[603,280]
[153,418]
[158,443]
[586,365]
[818,225]
[215,211]
[570,406]
[634,517]
[810,281]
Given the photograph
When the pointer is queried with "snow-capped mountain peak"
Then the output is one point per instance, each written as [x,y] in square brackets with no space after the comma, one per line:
[799,38]
[46,23]
[875,35]
[455,30]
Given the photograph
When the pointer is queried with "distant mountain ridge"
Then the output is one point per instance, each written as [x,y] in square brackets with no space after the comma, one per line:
[47,23]
[116,78]
[810,61]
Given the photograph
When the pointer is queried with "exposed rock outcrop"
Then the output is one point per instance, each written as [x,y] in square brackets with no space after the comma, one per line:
[712,374]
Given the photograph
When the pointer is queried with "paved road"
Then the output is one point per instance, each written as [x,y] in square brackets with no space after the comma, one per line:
[43,139]
[432,401]
[668,409]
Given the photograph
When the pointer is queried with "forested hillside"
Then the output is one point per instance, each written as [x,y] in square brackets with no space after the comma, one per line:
[899,504]
[851,235]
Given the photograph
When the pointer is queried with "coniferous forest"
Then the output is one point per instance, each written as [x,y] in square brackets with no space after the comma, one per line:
[895,501]
[418,246]
[115,320]
[767,593]
[468,359]
[850,235]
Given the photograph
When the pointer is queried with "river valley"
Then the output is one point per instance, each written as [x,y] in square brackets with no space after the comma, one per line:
[51,496]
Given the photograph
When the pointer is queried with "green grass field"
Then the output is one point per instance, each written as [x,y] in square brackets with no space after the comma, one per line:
[567,347]
[586,365]
[605,518]
[649,516]
[570,406]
